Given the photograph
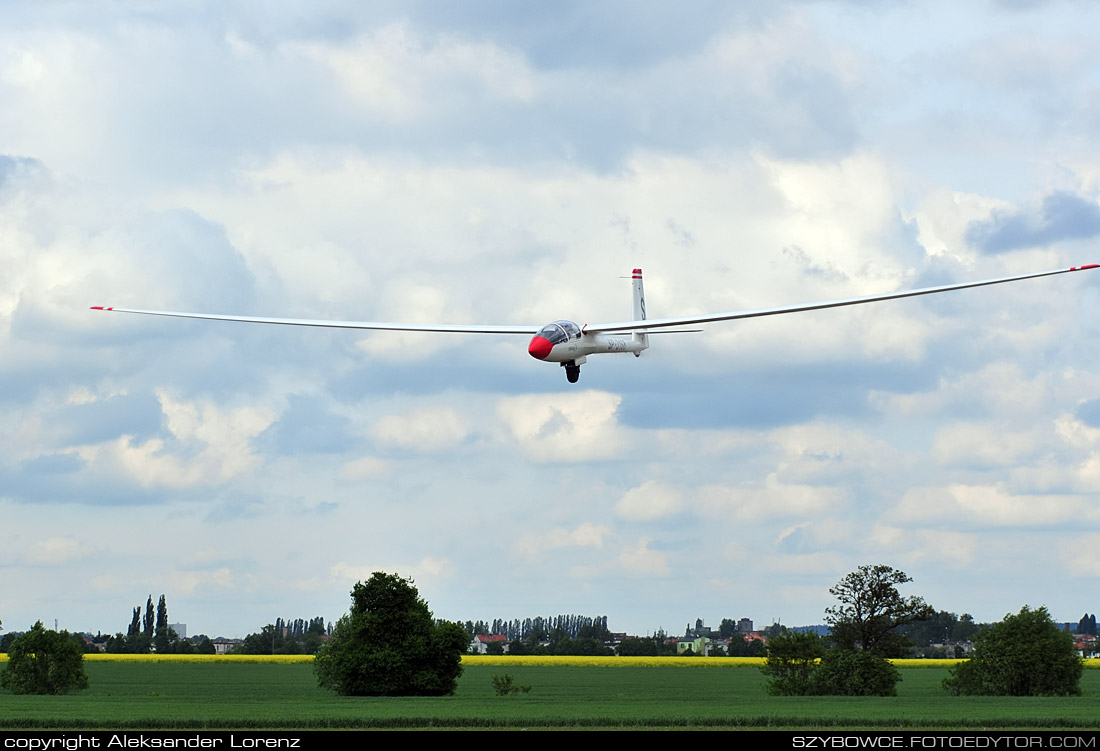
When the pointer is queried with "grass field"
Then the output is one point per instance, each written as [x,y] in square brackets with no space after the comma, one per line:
[236,694]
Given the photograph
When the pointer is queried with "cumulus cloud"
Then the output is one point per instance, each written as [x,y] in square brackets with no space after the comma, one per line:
[983,445]
[1061,216]
[428,429]
[772,498]
[575,427]
[429,567]
[363,468]
[534,546]
[923,546]
[649,501]
[56,551]
[992,506]
[210,445]
[1081,556]
[641,560]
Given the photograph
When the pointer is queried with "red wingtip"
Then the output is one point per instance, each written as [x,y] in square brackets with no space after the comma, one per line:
[100,307]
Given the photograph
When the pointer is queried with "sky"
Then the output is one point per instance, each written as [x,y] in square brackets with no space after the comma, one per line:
[510,163]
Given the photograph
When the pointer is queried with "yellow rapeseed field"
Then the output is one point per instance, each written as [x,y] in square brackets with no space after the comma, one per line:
[524,661]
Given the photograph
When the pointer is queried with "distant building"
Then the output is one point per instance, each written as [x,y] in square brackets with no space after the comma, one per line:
[697,645]
[180,629]
[224,646]
[479,645]
[744,626]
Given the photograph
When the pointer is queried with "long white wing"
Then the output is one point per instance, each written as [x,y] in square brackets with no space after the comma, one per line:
[661,323]
[623,326]
[445,328]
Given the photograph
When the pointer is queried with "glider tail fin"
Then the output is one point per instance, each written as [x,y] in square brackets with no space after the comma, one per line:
[639,311]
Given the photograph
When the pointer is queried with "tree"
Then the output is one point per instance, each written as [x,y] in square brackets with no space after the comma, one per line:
[44,662]
[871,609]
[792,657]
[135,623]
[1024,655]
[162,615]
[638,647]
[939,628]
[388,645]
[150,620]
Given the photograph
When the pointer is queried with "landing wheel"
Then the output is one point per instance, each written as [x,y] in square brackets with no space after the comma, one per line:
[573,373]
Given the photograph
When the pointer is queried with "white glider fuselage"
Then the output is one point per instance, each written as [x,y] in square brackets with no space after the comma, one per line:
[570,344]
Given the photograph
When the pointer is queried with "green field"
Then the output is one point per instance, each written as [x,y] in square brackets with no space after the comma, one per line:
[259,695]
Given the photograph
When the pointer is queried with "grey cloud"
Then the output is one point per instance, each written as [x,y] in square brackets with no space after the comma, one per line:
[307,426]
[1089,413]
[138,415]
[1062,216]
[13,168]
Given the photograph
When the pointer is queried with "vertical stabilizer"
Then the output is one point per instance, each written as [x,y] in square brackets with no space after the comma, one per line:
[639,310]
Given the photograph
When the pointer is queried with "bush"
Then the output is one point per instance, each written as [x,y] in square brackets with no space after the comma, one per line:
[1023,655]
[505,685]
[844,672]
[792,658]
[388,645]
[799,665]
[44,662]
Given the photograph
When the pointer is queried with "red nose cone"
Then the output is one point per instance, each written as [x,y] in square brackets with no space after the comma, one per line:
[540,347]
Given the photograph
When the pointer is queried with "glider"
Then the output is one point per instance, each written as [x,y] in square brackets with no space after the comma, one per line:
[570,344]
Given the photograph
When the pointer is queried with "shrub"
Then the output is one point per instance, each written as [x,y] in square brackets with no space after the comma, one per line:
[844,672]
[505,685]
[1024,655]
[792,658]
[44,662]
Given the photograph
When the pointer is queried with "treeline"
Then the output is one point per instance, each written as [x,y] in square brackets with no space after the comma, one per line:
[541,629]
[150,633]
[297,637]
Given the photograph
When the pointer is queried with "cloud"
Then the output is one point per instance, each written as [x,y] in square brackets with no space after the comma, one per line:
[573,427]
[1081,556]
[429,429]
[773,499]
[209,445]
[1062,216]
[926,546]
[640,560]
[649,501]
[363,468]
[534,546]
[57,551]
[992,506]
[402,76]
[427,568]
[982,445]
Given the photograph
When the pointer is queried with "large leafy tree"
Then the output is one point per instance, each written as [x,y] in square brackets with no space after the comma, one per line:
[871,609]
[389,645]
[1024,655]
[44,662]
